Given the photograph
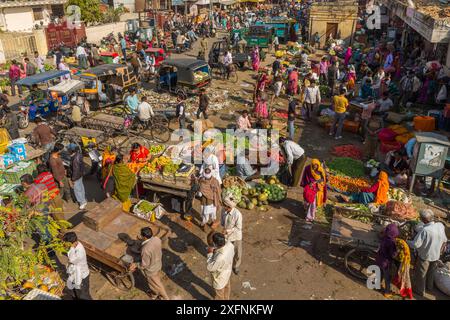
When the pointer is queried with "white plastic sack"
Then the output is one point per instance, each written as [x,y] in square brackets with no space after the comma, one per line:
[442,279]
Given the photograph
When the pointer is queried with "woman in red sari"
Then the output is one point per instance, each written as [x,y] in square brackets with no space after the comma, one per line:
[139,153]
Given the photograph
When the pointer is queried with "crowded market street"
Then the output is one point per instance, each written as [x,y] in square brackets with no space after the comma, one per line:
[97,172]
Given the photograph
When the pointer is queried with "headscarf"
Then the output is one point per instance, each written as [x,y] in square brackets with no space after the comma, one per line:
[320,173]
[229,201]
[383,188]
[388,247]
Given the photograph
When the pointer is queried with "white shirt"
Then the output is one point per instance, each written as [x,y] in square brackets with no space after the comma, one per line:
[293,151]
[145,111]
[428,242]
[312,95]
[212,162]
[80,51]
[232,222]
[385,105]
[220,264]
[228,59]
[77,269]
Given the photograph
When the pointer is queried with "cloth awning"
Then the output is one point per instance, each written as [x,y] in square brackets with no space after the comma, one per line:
[42,77]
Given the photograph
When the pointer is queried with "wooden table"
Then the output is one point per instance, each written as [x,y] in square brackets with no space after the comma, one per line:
[161,187]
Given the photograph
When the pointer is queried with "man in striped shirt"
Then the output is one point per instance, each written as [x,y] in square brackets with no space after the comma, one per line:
[46,178]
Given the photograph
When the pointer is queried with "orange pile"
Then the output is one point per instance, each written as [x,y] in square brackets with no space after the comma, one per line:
[347,184]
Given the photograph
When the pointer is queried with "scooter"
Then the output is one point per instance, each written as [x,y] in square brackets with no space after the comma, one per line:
[22,117]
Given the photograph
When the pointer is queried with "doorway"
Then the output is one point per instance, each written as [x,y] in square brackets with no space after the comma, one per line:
[332,28]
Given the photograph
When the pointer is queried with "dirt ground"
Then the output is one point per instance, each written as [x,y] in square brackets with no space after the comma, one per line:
[282,257]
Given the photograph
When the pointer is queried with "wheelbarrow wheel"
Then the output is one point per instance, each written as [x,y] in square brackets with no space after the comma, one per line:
[160,133]
[123,281]
[356,262]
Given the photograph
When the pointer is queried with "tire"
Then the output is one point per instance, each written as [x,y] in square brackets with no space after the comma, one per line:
[23,122]
[160,133]
[356,262]
[122,281]
[161,119]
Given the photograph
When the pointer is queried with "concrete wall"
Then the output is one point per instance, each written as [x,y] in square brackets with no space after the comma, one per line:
[18,19]
[41,41]
[96,33]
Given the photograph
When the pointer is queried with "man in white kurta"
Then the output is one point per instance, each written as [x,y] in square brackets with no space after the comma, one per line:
[77,269]
[219,264]
[211,161]
[231,221]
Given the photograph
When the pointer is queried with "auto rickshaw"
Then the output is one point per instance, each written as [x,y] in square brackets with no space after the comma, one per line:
[183,76]
[106,84]
[159,53]
[39,102]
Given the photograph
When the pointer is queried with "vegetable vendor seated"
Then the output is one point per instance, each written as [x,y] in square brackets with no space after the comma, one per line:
[377,193]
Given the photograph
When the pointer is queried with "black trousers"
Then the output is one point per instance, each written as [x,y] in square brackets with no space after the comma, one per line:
[83,293]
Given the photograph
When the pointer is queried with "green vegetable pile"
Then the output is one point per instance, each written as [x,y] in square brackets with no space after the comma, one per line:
[347,167]
[235,191]
[48,67]
[145,206]
[275,192]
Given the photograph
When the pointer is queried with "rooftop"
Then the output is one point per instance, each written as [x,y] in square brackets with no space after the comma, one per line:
[433,8]
[28,3]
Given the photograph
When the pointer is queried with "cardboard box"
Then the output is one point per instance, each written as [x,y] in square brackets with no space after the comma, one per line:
[102,214]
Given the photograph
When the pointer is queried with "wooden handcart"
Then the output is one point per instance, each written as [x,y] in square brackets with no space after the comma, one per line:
[360,238]
[103,246]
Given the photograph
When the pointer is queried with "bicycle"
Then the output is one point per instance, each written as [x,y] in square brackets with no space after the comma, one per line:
[220,72]
[158,125]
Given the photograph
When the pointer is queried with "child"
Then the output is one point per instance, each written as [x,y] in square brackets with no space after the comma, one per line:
[309,201]
[291,126]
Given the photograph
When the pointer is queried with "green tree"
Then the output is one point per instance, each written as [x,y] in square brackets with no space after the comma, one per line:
[90,10]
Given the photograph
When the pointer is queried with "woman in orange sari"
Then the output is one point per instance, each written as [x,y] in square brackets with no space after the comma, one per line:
[377,193]
[316,173]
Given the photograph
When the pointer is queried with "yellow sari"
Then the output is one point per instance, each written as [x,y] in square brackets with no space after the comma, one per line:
[322,186]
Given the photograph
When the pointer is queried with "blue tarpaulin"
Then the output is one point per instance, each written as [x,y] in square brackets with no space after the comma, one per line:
[42,77]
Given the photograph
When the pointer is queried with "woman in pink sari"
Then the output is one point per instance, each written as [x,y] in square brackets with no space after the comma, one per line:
[348,55]
[293,82]
[261,107]
[255,59]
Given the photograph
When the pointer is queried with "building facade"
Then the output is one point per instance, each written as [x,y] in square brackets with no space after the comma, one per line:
[23,16]
[338,17]
[433,30]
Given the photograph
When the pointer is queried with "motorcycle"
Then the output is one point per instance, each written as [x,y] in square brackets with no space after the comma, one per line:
[96,159]
[63,119]
[22,117]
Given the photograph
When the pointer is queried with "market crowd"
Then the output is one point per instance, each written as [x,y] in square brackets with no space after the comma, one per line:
[382,78]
